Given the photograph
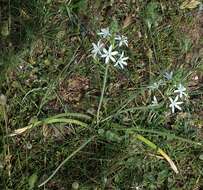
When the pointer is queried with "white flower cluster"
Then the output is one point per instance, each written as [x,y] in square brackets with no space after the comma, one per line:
[179,93]
[112,52]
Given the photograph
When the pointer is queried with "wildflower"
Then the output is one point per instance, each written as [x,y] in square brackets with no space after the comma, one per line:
[174,104]
[104,32]
[181,90]
[156,85]
[168,76]
[154,102]
[97,48]
[108,54]
[122,40]
[121,61]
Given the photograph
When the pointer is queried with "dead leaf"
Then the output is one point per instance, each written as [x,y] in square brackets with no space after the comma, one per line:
[172,164]
[20,131]
[128,21]
[57,132]
[195,81]
[47,131]
[72,90]
[150,54]
[24,14]
[189,4]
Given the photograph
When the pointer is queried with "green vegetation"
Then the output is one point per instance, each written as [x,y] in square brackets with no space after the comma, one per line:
[69,121]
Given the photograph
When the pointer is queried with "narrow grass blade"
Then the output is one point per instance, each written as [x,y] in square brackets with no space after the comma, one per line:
[164,134]
[64,120]
[160,151]
[68,158]
[52,120]
[24,129]
[102,93]
[76,115]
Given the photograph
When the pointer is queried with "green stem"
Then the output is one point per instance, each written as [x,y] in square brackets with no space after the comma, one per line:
[102,94]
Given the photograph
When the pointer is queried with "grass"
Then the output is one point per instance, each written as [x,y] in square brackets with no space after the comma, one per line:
[69,122]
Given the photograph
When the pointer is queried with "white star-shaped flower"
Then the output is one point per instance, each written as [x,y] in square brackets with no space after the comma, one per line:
[108,54]
[181,90]
[122,40]
[156,85]
[121,61]
[154,102]
[97,48]
[104,32]
[174,104]
[168,75]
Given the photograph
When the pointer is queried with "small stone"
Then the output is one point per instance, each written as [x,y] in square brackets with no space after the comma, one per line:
[201,156]
[75,185]
[29,146]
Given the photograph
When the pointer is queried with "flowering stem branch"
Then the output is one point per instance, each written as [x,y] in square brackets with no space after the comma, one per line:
[102,93]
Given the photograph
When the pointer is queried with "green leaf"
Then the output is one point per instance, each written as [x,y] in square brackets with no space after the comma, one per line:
[79,5]
[151,15]
[32,180]
[112,136]
[5,31]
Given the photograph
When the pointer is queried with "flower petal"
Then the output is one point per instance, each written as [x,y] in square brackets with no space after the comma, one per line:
[178,107]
